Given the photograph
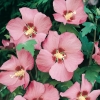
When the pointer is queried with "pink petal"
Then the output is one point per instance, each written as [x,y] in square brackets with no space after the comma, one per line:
[39,38]
[59,72]
[59,6]
[10,64]
[42,23]
[11,88]
[44,60]
[96,49]
[15,28]
[19,97]
[97,59]
[72,5]
[5,78]
[50,93]
[94,94]
[72,92]
[80,16]
[73,60]
[22,39]
[26,79]
[59,18]
[69,42]
[18,83]
[35,90]
[28,14]
[5,43]
[25,59]
[51,42]
[85,85]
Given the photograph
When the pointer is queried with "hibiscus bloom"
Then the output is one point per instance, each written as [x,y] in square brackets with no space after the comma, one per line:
[69,11]
[14,73]
[38,91]
[83,93]
[96,55]
[60,55]
[33,25]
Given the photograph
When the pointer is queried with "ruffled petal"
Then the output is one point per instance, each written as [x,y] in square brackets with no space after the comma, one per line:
[26,79]
[51,42]
[69,42]
[73,60]
[19,97]
[42,23]
[10,64]
[94,94]
[39,39]
[15,28]
[25,59]
[59,18]
[35,90]
[72,5]
[59,6]
[85,85]
[50,93]
[28,14]
[6,79]
[44,60]
[59,72]
[72,92]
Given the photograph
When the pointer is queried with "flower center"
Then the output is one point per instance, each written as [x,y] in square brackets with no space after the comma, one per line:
[81,98]
[68,16]
[19,74]
[59,55]
[29,30]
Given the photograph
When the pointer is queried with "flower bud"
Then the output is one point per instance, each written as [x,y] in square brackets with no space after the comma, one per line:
[91,17]
[98,12]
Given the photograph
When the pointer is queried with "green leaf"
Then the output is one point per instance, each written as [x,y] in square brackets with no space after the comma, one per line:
[63,86]
[43,77]
[87,10]
[68,28]
[78,74]
[92,73]
[86,46]
[88,28]
[28,45]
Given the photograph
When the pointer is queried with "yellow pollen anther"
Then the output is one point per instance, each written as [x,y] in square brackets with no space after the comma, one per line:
[59,55]
[18,73]
[30,31]
[81,98]
[69,15]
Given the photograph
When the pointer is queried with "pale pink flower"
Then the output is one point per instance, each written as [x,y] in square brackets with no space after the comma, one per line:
[60,55]
[83,93]
[14,71]
[69,11]
[92,2]
[33,25]
[39,91]
[96,55]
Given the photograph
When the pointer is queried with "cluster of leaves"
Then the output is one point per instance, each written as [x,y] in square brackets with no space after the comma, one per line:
[10,9]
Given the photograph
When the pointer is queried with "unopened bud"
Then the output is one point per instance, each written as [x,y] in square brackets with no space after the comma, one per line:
[91,17]
[98,12]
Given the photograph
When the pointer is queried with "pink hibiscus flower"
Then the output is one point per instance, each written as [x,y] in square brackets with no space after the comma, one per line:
[69,11]
[96,55]
[38,91]
[83,93]
[61,55]
[14,73]
[33,25]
